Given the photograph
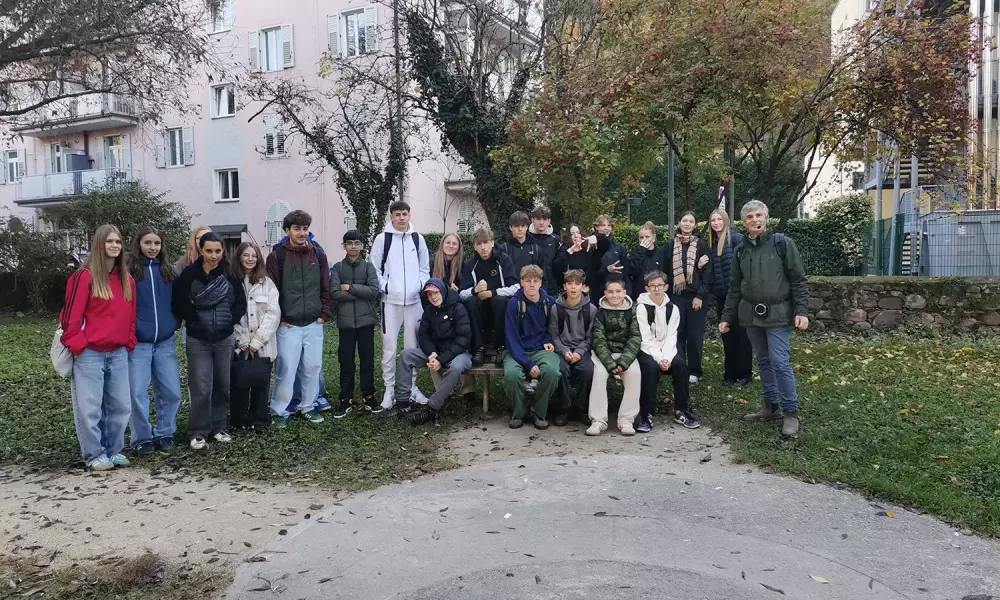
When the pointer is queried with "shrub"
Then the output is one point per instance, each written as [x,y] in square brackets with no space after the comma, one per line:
[35,265]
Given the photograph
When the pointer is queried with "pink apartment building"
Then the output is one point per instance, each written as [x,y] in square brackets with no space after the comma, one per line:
[239,177]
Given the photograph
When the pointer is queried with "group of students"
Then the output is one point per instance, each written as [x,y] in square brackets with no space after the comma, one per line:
[614,317]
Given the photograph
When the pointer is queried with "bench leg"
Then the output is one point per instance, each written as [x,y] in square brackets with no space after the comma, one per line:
[486,394]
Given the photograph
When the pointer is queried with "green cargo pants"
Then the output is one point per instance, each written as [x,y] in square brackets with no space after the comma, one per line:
[514,376]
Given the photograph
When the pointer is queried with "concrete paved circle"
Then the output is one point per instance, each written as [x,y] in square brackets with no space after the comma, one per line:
[618,527]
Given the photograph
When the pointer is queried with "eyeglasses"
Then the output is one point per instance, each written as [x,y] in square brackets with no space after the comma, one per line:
[657,286]
[353,244]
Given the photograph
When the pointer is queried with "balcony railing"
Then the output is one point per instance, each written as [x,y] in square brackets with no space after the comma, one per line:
[86,113]
[57,186]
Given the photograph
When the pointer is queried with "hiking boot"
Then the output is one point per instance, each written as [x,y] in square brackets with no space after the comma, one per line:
[423,415]
[344,407]
[560,420]
[372,405]
[626,429]
[515,423]
[686,419]
[790,425]
[101,463]
[597,428]
[770,411]
[477,358]
[145,448]
[312,416]
[279,421]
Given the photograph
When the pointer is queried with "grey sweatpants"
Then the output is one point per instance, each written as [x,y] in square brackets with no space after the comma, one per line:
[414,358]
[209,368]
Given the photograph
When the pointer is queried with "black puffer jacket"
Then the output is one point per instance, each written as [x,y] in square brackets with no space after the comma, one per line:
[641,262]
[444,329]
[611,252]
[208,302]
[722,266]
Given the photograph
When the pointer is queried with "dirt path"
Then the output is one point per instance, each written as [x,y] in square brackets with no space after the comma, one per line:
[59,518]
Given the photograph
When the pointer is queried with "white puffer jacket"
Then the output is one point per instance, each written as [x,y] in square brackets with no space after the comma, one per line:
[259,326]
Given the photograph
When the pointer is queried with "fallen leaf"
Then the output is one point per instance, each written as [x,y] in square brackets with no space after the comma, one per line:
[832,450]
[813,378]
[818,579]
[942,457]
[740,401]
[887,513]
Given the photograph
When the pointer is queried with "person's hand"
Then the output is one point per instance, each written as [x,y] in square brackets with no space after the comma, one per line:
[592,240]
[320,320]
[703,261]
[647,244]
[696,304]
[283,324]
[616,267]
[576,357]
[802,323]
[481,286]
[568,356]
[723,327]
[576,247]
[535,372]
[549,348]
[434,364]
[250,348]
[618,370]
[244,347]
[485,295]
[345,287]
[664,365]
[454,287]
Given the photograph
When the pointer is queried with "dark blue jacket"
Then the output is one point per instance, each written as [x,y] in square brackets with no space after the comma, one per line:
[155,320]
[528,332]
[723,265]
[444,329]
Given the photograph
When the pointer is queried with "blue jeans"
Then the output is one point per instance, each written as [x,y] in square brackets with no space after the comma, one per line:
[101,402]
[297,345]
[773,346]
[297,393]
[157,363]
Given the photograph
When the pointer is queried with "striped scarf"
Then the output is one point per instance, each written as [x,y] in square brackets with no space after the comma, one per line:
[680,280]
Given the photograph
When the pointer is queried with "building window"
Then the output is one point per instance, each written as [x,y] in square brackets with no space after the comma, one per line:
[13,166]
[858,180]
[227,183]
[174,148]
[223,101]
[350,221]
[275,216]
[465,214]
[222,17]
[270,41]
[271,49]
[275,137]
[353,33]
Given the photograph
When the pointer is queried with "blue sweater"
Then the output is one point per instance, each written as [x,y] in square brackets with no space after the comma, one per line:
[155,320]
[723,265]
[528,333]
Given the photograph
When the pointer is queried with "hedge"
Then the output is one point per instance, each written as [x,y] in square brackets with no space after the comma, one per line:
[812,237]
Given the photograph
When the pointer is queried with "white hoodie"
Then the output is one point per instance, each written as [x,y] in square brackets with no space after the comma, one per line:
[407,268]
[660,340]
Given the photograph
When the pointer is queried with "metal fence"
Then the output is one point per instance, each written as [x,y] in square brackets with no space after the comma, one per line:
[943,243]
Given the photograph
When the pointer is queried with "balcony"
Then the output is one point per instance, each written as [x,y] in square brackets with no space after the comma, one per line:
[52,189]
[86,113]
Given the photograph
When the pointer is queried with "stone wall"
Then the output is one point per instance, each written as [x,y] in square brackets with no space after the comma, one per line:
[939,305]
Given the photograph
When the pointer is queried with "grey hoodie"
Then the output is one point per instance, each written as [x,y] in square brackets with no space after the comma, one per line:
[573,337]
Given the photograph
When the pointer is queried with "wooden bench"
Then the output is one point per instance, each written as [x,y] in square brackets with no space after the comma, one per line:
[485,372]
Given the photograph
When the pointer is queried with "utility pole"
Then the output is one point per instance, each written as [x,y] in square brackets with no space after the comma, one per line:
[896,185]
[877,226]
[670,191]
[400,186]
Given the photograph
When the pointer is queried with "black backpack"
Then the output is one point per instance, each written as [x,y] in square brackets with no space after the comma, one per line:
[387,243]
[522,309]
[279,250]
[561,317]
[651,314]
[779,246]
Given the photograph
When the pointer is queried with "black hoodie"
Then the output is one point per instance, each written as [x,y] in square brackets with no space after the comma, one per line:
[522,253]
[444,329]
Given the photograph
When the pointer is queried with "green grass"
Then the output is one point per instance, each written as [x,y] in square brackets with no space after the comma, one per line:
[358,452]
[914,422]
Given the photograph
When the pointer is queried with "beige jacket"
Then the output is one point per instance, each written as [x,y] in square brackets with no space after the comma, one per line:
[259,326]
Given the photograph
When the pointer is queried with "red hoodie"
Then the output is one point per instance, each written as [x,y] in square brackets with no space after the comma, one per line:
[101,325]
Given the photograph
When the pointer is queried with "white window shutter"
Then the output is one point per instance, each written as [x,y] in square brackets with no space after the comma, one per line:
[48,159]
[21,164]
[229,14]
[3,171]
[187,143]
[99,152]
[279,143]
[287,46]
[254,50]
[371,30]
[333,33]
[126,153]
[161,148]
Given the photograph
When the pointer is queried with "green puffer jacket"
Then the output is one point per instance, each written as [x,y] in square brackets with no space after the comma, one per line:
[760,276]
[616,331]
[356,307]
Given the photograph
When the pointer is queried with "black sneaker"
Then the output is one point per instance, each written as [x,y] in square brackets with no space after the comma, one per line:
[345,406]
[145,448]
[165,444]
[372,405]
[498,359]
[399,409]
[423,415]
[477,358]
[560,419]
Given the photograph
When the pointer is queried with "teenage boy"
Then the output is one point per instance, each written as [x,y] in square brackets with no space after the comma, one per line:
[491,281]
[301,274]
[616,346]
[354,289]
[530,352]
[521,250]
[322,403]
[549,243]
[571,325]
[443,348]
[403,266]
[658,323]
[613,256]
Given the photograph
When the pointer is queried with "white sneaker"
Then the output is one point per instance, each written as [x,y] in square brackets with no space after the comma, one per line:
[626,429]
[223,437]
[597,428]
[419,397]
[198,443]
[693,379]
[530,386]
[388,400]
